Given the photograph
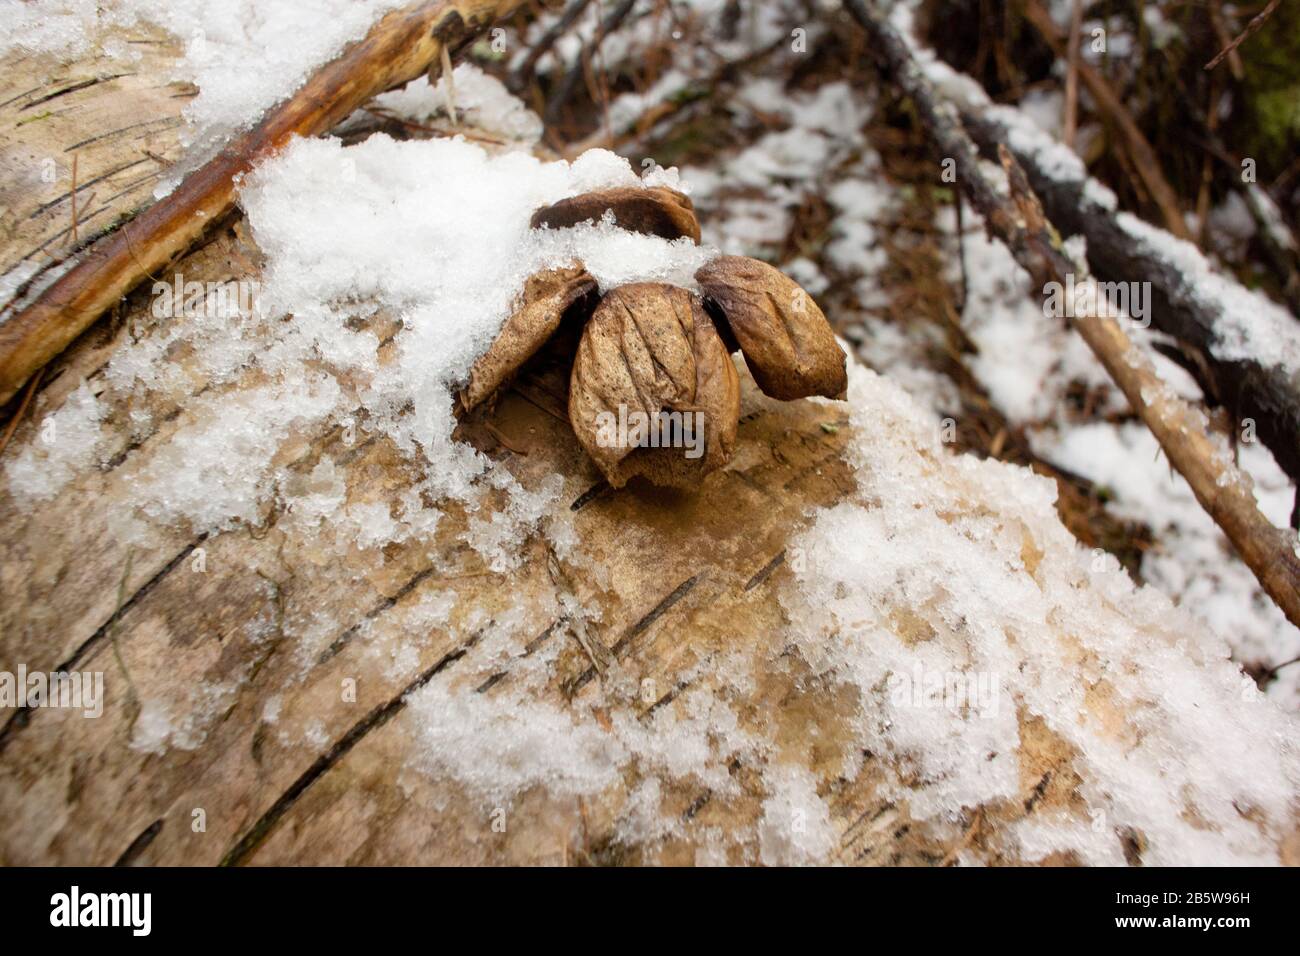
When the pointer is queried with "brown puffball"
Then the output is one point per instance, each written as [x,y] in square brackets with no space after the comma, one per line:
[658,211]
[651,348]
[537,314]
[788,344]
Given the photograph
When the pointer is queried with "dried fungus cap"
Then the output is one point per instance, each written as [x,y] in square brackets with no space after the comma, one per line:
[788,344]
[547,296]
[651,348]
[659,211]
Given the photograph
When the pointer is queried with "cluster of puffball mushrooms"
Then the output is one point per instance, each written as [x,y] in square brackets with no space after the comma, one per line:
[650,347]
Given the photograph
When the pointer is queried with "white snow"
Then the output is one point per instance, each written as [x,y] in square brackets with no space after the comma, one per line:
[1164,729]
[481,101]
[244,55]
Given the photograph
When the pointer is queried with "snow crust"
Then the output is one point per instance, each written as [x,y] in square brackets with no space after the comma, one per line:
[1168,736]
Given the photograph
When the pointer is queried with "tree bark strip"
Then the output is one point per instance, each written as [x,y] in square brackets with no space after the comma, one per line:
[119,119]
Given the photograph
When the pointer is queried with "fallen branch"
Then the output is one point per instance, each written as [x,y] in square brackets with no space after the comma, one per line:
[1017,219]
[398,48]
[1258,388]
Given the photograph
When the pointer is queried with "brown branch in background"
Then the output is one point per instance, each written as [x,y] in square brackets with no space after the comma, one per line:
[397,49]
[656,113]
[1144,156]
[524,74]
[1251,27]
[1221,32]
[1207,168]
[597,65]
[1249,387]
[613,20]
[1017,219]
[1070,124]
[1273,232]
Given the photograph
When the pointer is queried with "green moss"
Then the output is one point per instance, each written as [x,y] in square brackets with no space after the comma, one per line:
[1267,126]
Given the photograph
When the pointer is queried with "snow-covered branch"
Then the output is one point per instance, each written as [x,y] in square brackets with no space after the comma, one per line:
[1015,216]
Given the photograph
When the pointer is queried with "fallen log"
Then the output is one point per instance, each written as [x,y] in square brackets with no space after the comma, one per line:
[735,675]
[121,126]
[399,48]
[1017,219]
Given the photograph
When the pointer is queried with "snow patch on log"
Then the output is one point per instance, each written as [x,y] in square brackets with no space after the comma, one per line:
[243,55]
[955,618]
[433,236]
[1168,737]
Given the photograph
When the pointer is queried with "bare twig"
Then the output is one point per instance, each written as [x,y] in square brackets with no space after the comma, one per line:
[451,84]
[613,20]
[1221,32]
[521,77]
[1144,155]
[1251,27]
[1017,219]
[398,48]
[1071,122]
[22,409]
[656,113]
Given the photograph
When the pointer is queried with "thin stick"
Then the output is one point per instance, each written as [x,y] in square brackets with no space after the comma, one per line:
[1145,157]
[1017,219]
[18,415]
[1071,122]
[570,80]
[451,85]
[519,79]
[397,49]
[658,112]
[1251,27]
[1221,33]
